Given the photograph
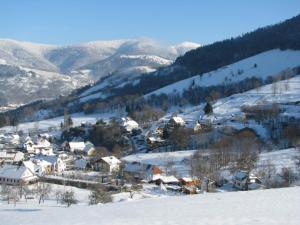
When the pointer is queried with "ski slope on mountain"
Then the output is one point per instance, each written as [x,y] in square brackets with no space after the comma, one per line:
[263,207]
[263,65]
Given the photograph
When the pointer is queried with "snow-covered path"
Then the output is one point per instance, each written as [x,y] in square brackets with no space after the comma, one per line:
[274,206]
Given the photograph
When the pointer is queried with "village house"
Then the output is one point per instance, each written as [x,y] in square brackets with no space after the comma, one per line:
[74,146]
[16,175]
[43,146]
[176,121]
[47,164]
[154,142]
[10,156]
[67,160]
[129,124]
[106,164]
[163,179]
[242,180]
[13,139]
[79,147]
[197,126]
[141,171]
[189,185]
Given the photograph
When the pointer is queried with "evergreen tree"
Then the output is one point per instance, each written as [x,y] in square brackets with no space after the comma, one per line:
[208,109]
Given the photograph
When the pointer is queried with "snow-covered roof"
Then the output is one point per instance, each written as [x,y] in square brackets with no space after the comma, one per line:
[5,154]
[129,124]
[187,179]
[111,160]
[30,165]
[154,139]
[15,172]
[165,179]
[43,143]
[52,159]
[240,175]
[15,156]
[178,120]
[77,146]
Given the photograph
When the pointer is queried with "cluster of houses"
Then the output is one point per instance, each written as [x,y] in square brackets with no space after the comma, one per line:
[27,159]
[24,160]
[156,172]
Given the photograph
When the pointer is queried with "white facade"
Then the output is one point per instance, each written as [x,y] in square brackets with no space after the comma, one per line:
[14,175]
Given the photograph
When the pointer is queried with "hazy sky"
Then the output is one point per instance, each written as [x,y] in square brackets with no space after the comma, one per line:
[170,21]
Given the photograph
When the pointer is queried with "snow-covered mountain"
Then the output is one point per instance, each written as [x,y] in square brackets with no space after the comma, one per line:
[46,71]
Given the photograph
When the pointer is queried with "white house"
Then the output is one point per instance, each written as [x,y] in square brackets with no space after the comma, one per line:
[176,120]
[67,161]
[43,146]
[107,164]
[162,179]
[11,156]
[77,146]
[244,181]
[14,175]
[28,145]
[48,164]
[129,124]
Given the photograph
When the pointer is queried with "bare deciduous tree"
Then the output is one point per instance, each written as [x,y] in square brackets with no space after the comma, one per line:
[42,191]
[68,198]
[98,195]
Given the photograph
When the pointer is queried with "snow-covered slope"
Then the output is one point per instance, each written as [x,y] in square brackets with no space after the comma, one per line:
[263,207]
[266,64]
[224,109]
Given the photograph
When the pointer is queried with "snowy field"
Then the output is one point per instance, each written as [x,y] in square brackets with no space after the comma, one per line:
[264,207]
[285,158]
[159,158]
[45,125]
[175,161]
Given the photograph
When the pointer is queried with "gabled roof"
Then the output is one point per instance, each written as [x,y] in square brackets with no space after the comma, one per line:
[187,179]
[111,160]
[77,145]
[13,172]
[52,159]
[178,120]
[43,143]
[129,124]
[165,179]
[15,156]
[240,175]
[16,172]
